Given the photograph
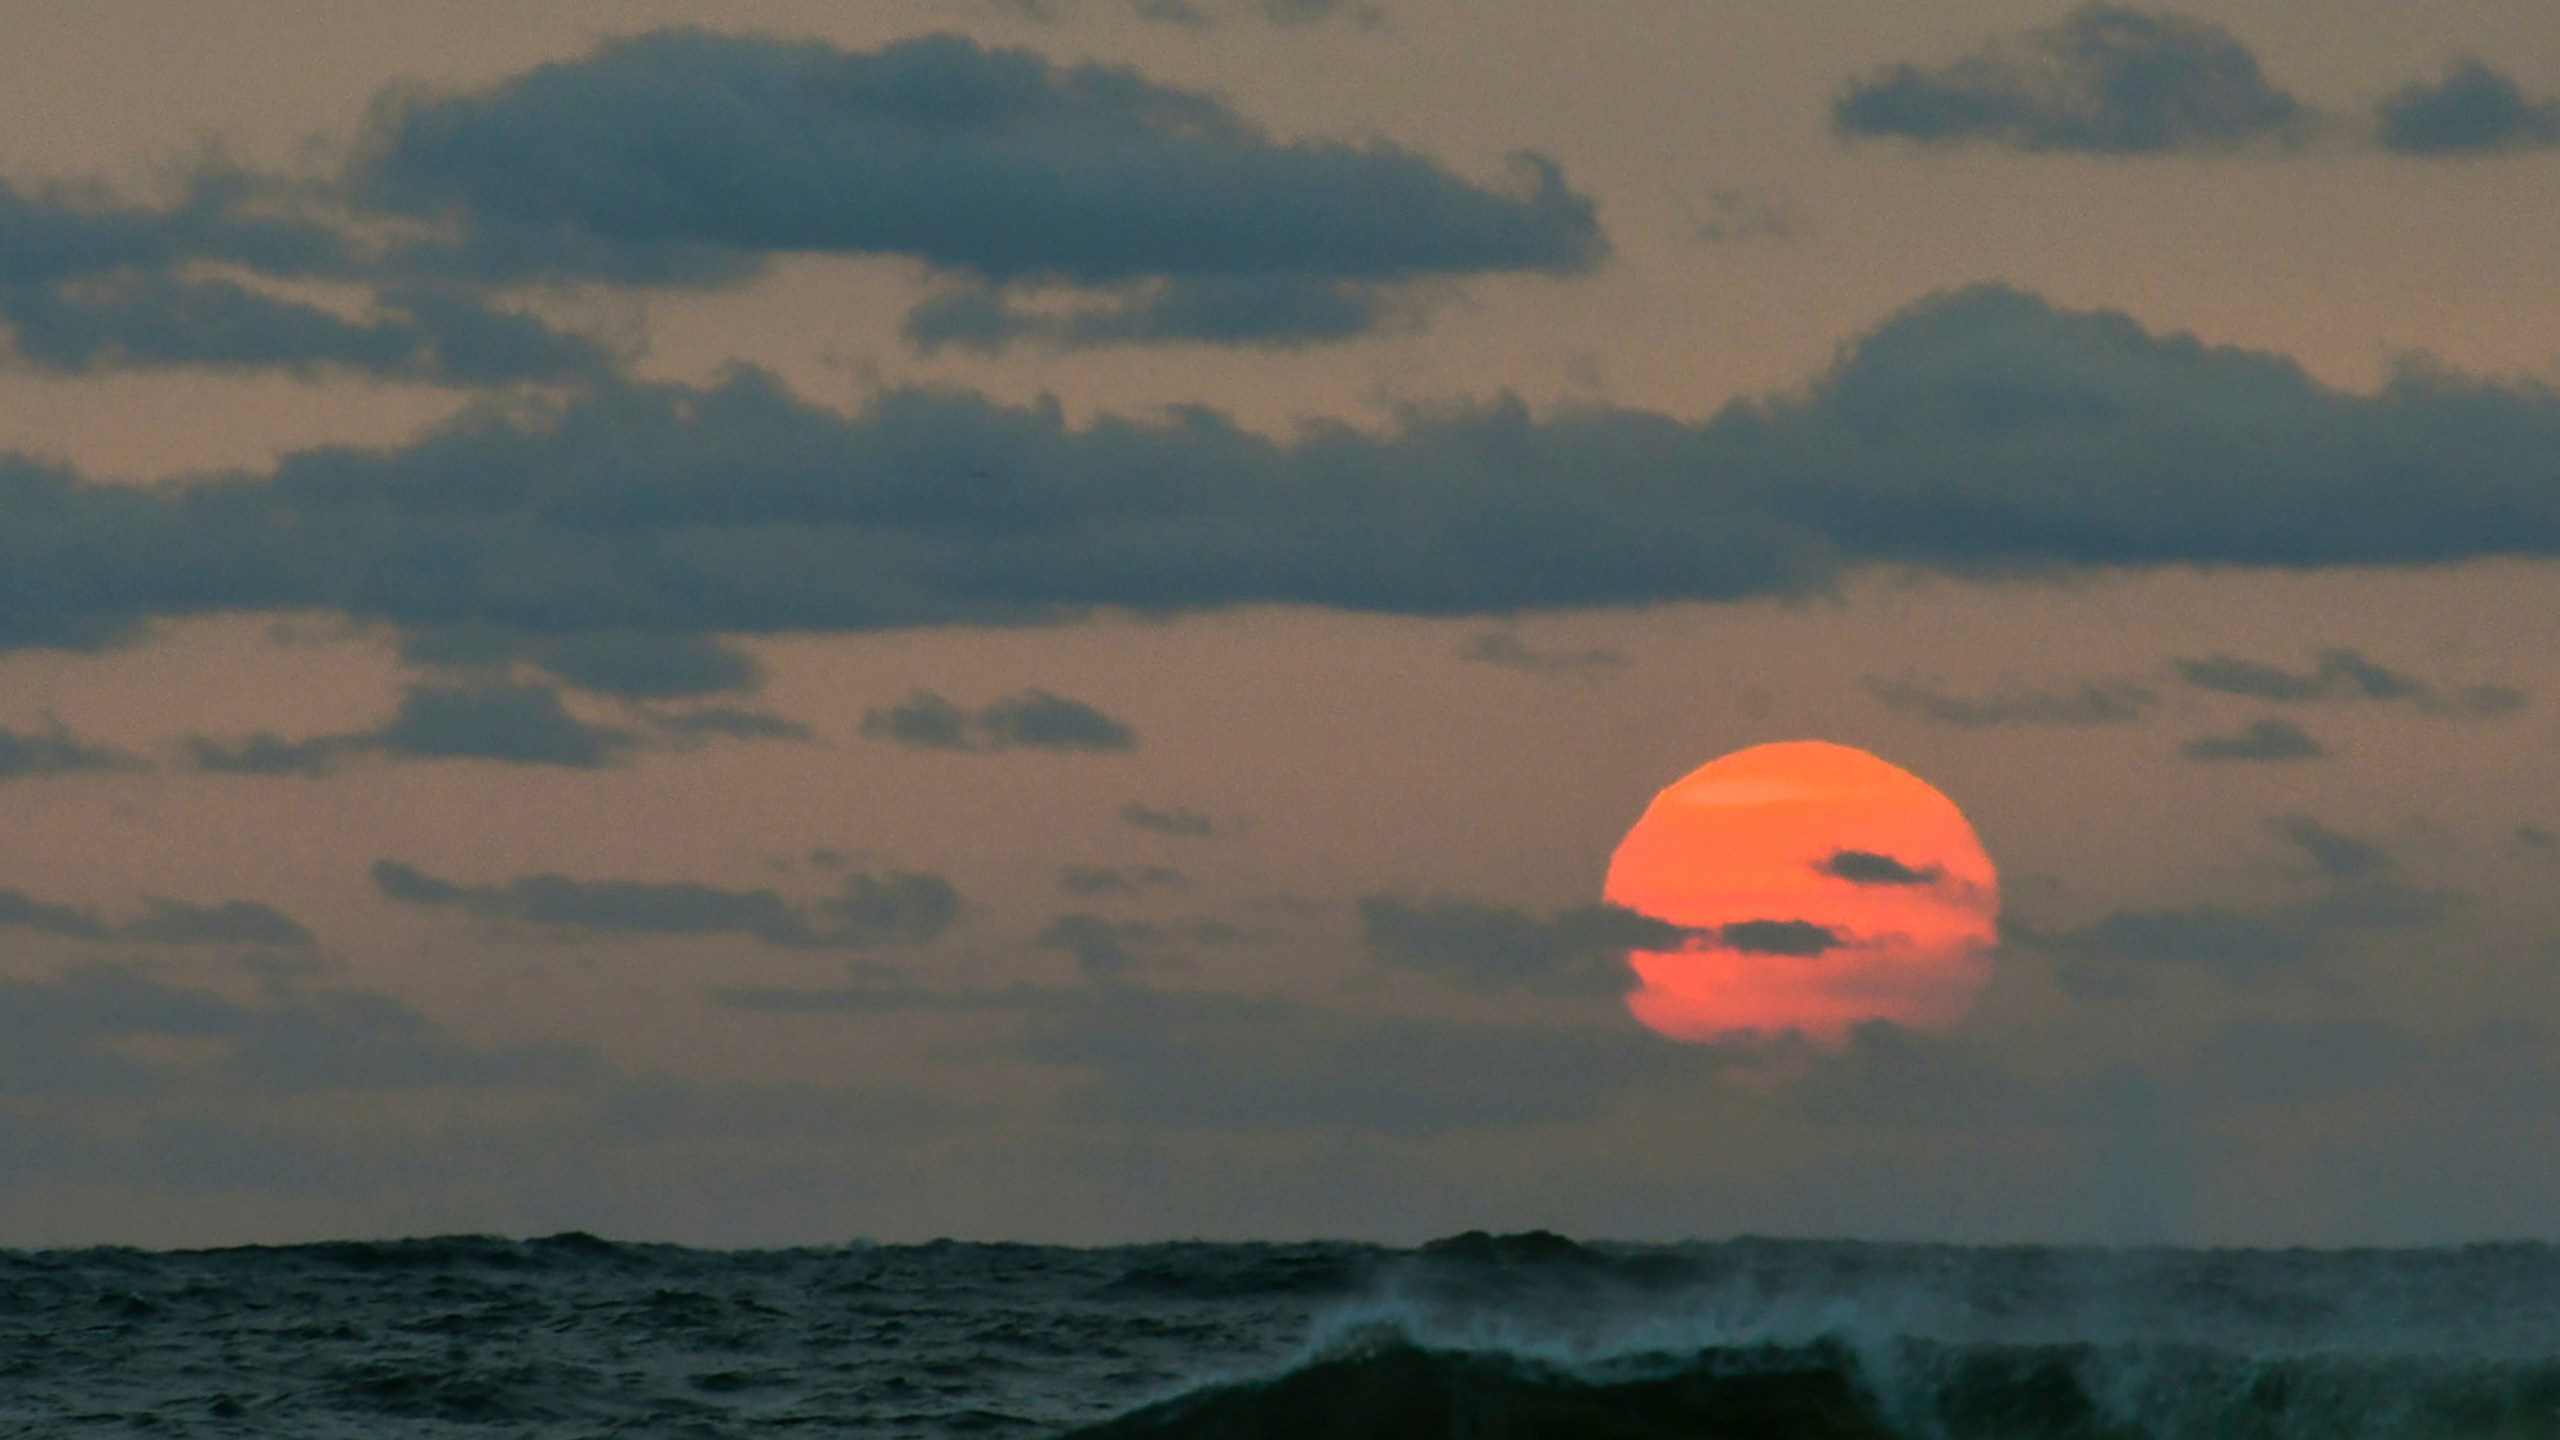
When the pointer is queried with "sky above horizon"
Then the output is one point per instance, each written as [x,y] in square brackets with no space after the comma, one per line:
[1036,619]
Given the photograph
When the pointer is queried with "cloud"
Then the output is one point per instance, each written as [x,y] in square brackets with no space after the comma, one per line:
[686,156]
[2342,674]
[1119,879]
[1978,432]
[2338,855]
[1030,719]
[1201,14]
[1510,652]
[1799,938]
[469,720]
[866,911]
[2119,953]
[268,754]
[2472,110]
[88,283]
[1175,821]
[1101,948]
[728,723]
[54,750]
[163,922]
[625,664]
[1227,1062]
[2091,702]
[24,911]
[67,1037]
[231,922]
[516,724]
[2106,80]
[1868,867]
[1495,949]
[2258,741]
[1270,312]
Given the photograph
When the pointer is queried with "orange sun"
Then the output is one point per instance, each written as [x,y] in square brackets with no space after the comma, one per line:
[1819,887]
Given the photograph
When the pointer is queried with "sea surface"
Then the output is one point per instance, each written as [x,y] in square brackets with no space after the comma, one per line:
[1522,1337]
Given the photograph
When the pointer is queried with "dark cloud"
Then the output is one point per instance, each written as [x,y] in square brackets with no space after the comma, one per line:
[1233,1062]
[163,922]
[1257,310]
[1201,14]
[141,321]
[1868,867]
[685,155]
[1175,821]
[2538,837]
[2108,80]
[1800,938]
[1978,432]
[231,922]
[626,664]
[2338,855]
[924,721]
[1040,720]
[2091,702]
[1033,719]
[90,283]
[19,909]
[1730,216]
[1493,948]
[2118,954]
[268,754]
[1101,949]
[517,724]
[468,720]
[54,750]
[68,1038]
[1119,879]
[867,910]
[2262,740]
[2342,674]
[1509,651]
[2472,110]
[1187,1058]
[727,723]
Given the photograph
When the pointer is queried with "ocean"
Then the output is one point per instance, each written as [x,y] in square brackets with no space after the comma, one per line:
[1519,1337]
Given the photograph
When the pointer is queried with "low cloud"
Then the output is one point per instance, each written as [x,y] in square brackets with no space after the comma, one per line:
[1030,719]
[625,664]
[232,922]
[1802,939]
[2343,674]
[1508,651]
[2258,742]
[2120,953]
[472,720]
[1869,867]
[867,910]
[1119,880]
[54,750]
[1932,443]
[2471,110]
[2090,702]
[1173,821]
[1493,949]
[163,922]
[2337,854]
[707,154]
[2106,80]
[1269,312]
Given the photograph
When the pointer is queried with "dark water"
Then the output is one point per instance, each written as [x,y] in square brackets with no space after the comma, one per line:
[1511,1338]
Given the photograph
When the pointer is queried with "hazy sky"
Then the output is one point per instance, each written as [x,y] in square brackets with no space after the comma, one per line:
[1035,619]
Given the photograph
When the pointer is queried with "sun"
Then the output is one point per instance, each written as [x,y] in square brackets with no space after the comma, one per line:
[1819,888]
